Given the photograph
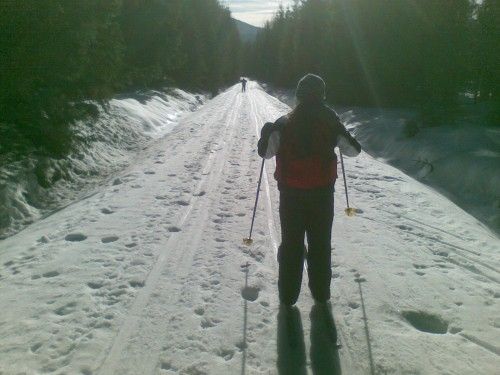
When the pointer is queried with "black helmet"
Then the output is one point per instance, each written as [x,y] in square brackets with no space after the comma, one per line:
[310,88]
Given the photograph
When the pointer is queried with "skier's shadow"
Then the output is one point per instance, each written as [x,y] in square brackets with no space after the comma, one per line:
[324,351]
[291,348]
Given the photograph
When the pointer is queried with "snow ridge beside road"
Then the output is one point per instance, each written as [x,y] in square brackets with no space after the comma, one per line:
[149,275]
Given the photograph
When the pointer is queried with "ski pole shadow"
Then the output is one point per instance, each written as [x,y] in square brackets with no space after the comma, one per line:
[324,352]
[291,347]
[361,280]
[245,322]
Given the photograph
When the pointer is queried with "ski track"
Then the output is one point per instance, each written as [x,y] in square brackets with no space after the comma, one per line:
[150,275]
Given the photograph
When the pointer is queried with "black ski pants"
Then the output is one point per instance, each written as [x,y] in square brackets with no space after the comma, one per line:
[305,213]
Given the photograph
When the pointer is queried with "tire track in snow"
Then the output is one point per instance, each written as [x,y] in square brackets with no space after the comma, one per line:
[211,282]
[211,172]
[269,209]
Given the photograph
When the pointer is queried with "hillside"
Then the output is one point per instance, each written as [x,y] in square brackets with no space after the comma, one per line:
[248,32]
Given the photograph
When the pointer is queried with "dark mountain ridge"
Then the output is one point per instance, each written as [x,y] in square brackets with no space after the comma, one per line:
[248,32]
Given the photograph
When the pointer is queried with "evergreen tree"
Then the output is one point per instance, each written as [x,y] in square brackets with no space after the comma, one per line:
[55,55]
[380,52]
[488,36]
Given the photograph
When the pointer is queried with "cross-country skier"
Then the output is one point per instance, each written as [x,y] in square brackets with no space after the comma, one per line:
[303,142]
[243,84]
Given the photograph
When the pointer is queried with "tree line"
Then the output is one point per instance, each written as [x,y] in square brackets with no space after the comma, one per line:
[385,52]
[56,55]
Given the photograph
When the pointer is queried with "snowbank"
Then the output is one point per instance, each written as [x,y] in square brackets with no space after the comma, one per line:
[32,185]
[462,162]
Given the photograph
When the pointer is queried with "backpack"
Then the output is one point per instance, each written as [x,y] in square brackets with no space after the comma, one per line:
[305,158]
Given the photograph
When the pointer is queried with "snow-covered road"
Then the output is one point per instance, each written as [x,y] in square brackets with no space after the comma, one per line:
[150,276]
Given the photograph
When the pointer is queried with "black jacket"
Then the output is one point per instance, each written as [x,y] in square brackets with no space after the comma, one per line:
[269,142]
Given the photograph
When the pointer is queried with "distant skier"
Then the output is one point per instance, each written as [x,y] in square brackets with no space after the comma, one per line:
[243,84]
[303,142]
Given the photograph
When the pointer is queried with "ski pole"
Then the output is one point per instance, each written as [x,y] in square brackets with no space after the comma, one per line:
[349,210]
[249,241]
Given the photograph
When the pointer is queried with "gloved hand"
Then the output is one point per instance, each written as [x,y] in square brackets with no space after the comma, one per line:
[266,131]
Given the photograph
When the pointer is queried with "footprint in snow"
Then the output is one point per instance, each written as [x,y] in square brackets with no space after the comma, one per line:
[182,203]
[168,366]
[209,323]
[35,347]
[199,311]
[353,305]
[223,214]
[51,274]
[420,266]
[174,229]
[426,322]
[109,239]
[66,309]
[404,227]
[43,239]
[220,254]
[200,194]
[95,284]
[226,354]
[149,172]
[390,178]
[136,283]
[75,237]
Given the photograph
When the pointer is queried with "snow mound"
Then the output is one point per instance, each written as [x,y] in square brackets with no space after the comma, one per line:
[33,184]
[462,162]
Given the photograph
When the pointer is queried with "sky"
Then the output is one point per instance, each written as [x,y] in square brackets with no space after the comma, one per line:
[255,12]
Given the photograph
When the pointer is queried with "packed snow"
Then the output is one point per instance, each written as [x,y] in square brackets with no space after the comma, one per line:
[150,275]
[462,161]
